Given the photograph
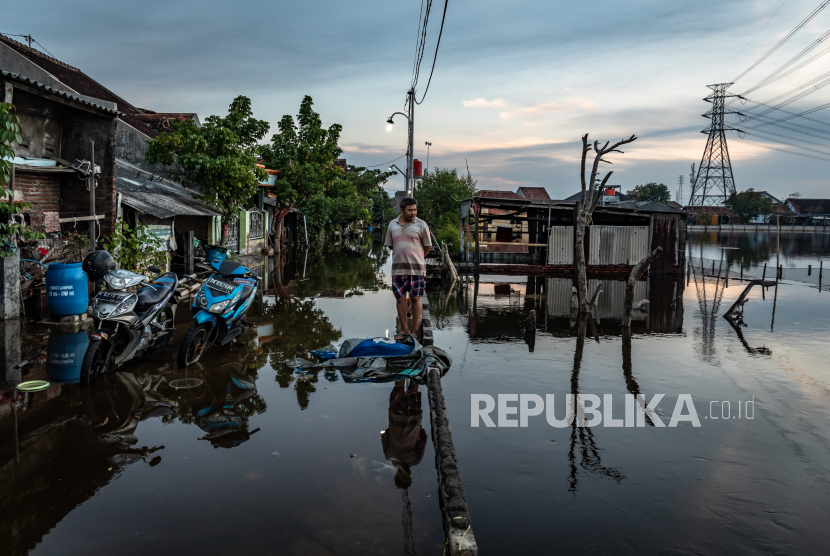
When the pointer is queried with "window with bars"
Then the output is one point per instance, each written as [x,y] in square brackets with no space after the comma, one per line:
[257,225]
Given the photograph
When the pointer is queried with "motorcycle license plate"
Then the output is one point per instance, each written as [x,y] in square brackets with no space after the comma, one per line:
[223,287]
[111,297]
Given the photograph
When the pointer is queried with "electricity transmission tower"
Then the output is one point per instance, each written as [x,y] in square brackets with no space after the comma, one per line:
[679,198]
[714,182]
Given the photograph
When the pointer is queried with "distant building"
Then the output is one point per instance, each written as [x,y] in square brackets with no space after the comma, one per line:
[809,211]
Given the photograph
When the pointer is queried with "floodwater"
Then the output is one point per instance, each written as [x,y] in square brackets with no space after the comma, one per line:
[130,466]
[796,249]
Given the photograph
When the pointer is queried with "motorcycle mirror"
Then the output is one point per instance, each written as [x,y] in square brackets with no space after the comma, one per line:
[155,461]
[154,268]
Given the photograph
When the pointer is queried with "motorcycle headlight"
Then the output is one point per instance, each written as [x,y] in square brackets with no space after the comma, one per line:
[127,305]
[219,307]
[202,300]
[117,282]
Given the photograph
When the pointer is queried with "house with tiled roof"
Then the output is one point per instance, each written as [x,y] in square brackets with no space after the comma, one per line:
[536,193]
[61,110]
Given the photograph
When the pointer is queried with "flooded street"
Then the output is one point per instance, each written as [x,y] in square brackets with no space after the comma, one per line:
[134,465]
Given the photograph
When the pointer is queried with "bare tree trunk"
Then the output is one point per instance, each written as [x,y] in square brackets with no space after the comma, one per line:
[591,193]
[579,258]
[278,238]
[223,240]
[596,294]
[638,270]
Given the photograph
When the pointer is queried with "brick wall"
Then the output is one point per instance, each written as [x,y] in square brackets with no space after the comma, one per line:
[75,201]
[42,189]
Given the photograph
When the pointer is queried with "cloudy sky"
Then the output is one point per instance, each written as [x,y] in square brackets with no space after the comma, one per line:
[515,85]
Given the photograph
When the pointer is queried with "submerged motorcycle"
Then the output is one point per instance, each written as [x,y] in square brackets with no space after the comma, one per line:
[221,303]
[127,324]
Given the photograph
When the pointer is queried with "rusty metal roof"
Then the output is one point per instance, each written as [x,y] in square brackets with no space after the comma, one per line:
[64,94]
[156,195]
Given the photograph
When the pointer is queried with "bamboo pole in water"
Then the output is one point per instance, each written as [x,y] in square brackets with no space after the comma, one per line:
[777,242]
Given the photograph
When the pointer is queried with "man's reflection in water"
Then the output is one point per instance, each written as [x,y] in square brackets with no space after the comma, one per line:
[403,443]
[405,439]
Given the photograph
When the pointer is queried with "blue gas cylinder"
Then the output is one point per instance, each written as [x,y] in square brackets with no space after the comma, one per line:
[64,355]
[67,292]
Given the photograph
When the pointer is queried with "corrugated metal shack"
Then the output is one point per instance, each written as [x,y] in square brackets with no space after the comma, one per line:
[620,236]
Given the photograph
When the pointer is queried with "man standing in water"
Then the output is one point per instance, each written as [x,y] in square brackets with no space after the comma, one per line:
[408,237]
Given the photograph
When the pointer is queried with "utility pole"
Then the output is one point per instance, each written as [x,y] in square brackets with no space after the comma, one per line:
[29,36]
[409,183]
[410,167]
[428,144]
[714,182]
[91,180]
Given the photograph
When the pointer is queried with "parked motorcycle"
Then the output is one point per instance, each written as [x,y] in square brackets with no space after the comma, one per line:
[127,324]
[221,303]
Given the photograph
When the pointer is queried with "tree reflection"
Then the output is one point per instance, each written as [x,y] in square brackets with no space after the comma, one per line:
[582,438]
[301,327]
[338,270]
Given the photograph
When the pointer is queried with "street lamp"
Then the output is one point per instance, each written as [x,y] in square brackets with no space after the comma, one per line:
[428,144]
[409,175]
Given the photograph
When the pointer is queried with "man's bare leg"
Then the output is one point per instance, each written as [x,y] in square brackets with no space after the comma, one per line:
[402,311]
[417,310]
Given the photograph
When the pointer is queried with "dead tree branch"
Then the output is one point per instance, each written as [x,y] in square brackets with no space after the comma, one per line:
[636,273]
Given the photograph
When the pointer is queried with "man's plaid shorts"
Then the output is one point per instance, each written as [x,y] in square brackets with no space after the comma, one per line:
[415,285]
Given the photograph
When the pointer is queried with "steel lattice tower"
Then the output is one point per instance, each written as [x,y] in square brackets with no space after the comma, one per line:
[714,182]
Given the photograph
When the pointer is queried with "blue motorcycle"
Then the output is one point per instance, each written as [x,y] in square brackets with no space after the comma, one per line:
[220,307]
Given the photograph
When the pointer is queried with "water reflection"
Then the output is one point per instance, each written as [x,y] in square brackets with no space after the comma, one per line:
[69,446]
[499,312]
[757,248]
[582,442]
[405,439]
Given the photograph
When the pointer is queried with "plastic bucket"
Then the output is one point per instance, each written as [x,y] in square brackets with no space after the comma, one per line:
[67,292]
[214,254]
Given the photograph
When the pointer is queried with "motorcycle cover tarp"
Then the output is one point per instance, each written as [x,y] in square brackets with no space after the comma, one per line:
[378,359]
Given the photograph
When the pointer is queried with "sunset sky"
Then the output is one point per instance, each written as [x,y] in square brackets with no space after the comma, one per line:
[515,85]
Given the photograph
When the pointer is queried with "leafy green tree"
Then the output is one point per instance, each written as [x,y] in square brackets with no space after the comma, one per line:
[439,194]
[651,191]
[367,182]
[304,153]
[216,160]
[135,248]
[747,204]
[369,186]
[10,231]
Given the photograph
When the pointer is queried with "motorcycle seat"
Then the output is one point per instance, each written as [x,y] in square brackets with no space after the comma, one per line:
[230,268]
[150,295]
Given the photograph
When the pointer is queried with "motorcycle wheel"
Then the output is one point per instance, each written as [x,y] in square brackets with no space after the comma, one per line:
[164,318]
[194,345]
[94,363]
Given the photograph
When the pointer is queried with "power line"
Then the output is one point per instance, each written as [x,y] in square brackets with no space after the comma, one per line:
[811,110]
[762,133]
[441,32]
[771,77]
[767,80]
[788,144]
[786,38]
[753,38]
[385,163]
[807,84]
[790,100]
[780,150]
[43,47]
[789,126]
[418,38]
